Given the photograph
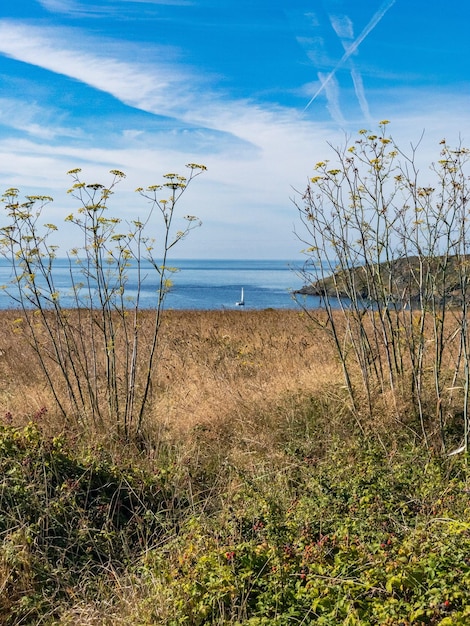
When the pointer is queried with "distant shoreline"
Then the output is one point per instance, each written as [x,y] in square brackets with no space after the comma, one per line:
[443,279]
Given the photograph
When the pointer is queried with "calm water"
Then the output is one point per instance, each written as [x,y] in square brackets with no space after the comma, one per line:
[199,284]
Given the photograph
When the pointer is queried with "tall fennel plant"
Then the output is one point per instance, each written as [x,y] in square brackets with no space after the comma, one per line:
[388,254]
[98,354]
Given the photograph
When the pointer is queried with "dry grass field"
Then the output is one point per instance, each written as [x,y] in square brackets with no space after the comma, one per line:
[216,369]
[242,372]
[252,498]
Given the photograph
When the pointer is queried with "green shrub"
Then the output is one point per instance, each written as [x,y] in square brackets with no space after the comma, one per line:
[68,520]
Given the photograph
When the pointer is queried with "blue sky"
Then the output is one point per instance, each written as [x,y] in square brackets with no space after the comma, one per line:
[252,89]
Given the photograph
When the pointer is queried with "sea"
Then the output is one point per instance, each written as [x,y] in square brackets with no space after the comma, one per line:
[197,284]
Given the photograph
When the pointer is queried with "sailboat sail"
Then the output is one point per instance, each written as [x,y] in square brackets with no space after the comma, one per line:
[242,299]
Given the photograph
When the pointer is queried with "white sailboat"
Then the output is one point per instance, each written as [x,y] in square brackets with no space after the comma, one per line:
[242,299]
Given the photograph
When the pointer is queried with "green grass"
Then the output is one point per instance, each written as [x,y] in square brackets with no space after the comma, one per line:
[327,531]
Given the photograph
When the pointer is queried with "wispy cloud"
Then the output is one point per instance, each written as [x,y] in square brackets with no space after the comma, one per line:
[361,94]
[73,8]
[105,8]
[160,87]
[331,88]
[353,47]
[315,50]
[144,85]
[59,6]
[343,27]
[34,120]
[246,190]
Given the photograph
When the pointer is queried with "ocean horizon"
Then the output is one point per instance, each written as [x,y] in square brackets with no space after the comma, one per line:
[206,284]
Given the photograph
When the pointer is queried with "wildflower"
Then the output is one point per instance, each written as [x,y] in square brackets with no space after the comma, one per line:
[42,411]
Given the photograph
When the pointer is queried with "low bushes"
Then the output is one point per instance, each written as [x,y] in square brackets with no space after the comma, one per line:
[68,521]
[350,534]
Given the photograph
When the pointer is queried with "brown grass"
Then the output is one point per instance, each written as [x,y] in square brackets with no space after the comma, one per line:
[219,373]
[214,367]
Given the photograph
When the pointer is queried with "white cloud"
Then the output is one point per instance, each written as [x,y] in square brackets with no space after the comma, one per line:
[312,18]
[243,199]
[246,189]
[343,26]
[62,52]
[71,7]
[162,88]
[361,94]
[316,51]
[31,118]
[262,152]
[59,6]
[105,8]
[159,86]
[331,88]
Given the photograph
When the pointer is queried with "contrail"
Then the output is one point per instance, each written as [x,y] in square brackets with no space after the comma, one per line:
[332,95]
[354,46]
[360,93]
